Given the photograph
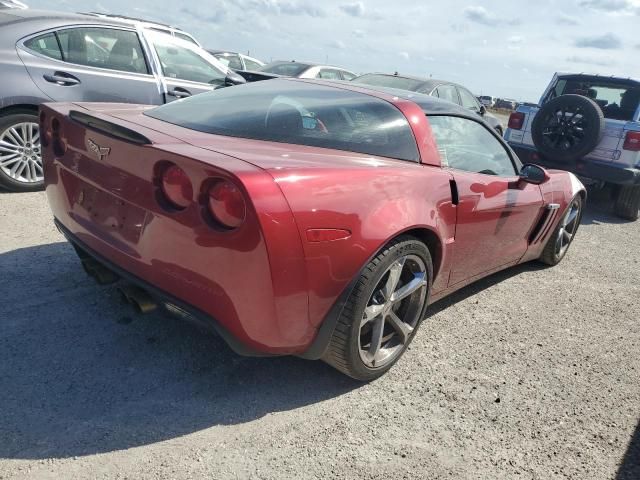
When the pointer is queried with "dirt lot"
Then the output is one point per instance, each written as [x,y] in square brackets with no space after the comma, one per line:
[533,373]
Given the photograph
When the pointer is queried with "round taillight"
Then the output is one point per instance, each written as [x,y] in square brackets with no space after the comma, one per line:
[226,204]
[177,187]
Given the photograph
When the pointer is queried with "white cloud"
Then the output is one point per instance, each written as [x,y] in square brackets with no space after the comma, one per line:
[354,9]
[339,44]
[608,41]
[515,42]
[600,62]
[358,33]
[404,55]
[479,14]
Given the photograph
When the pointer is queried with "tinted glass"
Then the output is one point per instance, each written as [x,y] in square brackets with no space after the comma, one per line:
[305,114]
[287,69]
[467,145]
[250,64]
[618,102]
[181,60]
[103,48]
[230,60]
[348,75]
[449,93]
[390,81]
[329,74]
[46,45]
[468,100]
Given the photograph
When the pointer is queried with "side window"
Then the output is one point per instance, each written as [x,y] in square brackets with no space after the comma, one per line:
[467,145]
[181,62]
[329,74]
[449,93]
[348,75]
[46,45]
[103,48]
[468,100]
[250,64]
[230,60]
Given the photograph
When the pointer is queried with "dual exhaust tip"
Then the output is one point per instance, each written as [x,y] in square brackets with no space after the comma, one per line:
[133,295]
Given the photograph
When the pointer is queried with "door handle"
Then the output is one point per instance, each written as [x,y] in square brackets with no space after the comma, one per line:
[179,92]
[61,78]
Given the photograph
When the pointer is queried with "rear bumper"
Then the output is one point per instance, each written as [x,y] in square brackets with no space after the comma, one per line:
[171,303]
[584,167]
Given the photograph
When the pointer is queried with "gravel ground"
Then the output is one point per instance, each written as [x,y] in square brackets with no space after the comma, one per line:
[533,373]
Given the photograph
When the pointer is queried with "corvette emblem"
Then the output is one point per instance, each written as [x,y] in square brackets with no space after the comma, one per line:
[101,152]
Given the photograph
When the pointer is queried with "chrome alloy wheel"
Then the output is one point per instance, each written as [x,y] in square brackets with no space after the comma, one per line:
[568,228]
[20,154]
[393,311]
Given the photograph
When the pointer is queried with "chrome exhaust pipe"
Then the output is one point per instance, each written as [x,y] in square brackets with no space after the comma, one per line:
[140,299]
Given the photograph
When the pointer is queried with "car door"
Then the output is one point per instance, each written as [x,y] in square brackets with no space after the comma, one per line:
[90,64]
[495,211]
[186,69]
[329,74]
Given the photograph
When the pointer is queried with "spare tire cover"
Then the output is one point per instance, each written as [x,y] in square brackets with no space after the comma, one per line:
[568,127]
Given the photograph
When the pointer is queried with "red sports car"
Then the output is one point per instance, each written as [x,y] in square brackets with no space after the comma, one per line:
[297,216]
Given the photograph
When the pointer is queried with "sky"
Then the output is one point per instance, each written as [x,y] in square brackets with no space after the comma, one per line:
[496,47]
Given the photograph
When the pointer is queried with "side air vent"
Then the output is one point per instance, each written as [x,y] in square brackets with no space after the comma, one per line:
[544,224]
[108,128]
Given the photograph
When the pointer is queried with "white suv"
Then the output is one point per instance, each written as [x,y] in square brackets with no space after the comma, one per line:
[588,125]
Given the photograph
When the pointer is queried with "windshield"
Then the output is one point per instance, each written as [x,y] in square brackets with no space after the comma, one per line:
[300,113]
[619,102]
[390,81]
[291,69]
[184,60]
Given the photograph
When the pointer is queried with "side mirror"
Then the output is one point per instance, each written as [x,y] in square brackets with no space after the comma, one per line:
[233,78]
[483,110]
[533,174]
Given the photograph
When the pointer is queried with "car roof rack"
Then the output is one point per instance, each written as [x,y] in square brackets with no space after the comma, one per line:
[126,17]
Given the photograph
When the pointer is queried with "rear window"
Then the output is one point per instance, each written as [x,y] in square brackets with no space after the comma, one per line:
[299,113]
[287,69]
[619,102]
[390,81]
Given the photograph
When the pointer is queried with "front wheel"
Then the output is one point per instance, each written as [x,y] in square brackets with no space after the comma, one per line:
[20,153]
[562,237]
[383,312]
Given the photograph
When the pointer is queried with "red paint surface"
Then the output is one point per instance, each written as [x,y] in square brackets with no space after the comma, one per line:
[268,282]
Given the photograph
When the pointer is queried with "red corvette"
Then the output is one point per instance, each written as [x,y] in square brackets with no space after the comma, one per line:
[300,217]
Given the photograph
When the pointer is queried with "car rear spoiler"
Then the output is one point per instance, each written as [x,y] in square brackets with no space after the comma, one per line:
[108,128]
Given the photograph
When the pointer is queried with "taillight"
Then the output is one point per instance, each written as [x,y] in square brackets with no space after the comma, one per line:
[176,187]
[632,142]
[516,120]
[226,204]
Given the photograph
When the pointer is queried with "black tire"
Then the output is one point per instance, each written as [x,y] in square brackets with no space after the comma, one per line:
[344,351]
[6,121]
[551,255]
[568,127]
[628,202]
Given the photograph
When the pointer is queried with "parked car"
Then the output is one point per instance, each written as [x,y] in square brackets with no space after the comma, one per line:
[337,210]
[506,104]
[237,61]
[436,88]
[306,70]
[487,100]
[589,125]
[158,27]
[48,56]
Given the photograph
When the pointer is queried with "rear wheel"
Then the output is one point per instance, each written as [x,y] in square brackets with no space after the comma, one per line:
[20,152]
[383,311]
[562,237]
[628,202]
